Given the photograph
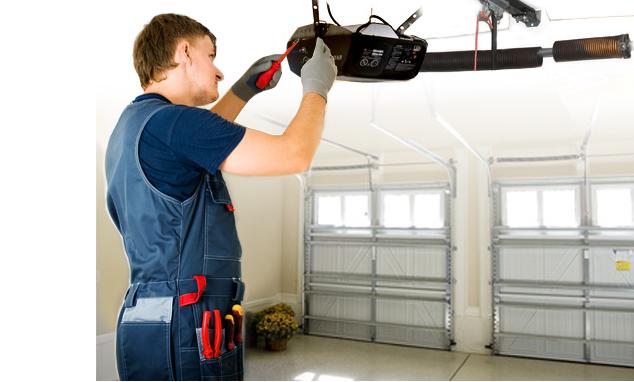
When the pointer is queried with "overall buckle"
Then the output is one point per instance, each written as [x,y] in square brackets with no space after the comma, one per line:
[239,289]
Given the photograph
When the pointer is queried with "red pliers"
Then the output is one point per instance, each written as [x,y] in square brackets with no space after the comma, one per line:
[208,351]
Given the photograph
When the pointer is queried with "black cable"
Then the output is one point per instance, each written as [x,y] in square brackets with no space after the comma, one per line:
[330,14]
[494,40]
[363,26]
[384,22]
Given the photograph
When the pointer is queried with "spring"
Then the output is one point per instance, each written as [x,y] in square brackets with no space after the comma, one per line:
[592,48]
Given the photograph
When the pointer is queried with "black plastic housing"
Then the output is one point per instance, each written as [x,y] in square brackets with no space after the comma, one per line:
[361,57]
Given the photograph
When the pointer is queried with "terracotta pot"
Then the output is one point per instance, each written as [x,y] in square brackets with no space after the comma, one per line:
[276,344]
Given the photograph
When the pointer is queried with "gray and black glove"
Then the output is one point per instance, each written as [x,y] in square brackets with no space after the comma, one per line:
[318,73]
[245,87]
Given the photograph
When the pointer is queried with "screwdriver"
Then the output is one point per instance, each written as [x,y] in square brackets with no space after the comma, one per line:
[238,313]
[266,77]
[229,332]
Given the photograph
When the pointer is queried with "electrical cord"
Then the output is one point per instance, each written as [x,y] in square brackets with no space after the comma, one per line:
[330,14]
[494,40]
[482,17]
[363,26]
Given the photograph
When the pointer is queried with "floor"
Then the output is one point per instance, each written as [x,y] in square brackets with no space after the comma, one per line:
[321,358]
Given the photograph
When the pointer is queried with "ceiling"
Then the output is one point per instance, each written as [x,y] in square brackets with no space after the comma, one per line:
[548,106]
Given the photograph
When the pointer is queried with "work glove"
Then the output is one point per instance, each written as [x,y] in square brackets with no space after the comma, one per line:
[245,87]
[318,73]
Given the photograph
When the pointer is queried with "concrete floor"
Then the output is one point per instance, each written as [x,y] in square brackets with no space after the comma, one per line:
[320,358]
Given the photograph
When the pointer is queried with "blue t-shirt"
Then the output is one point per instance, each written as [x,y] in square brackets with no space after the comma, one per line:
[180,143]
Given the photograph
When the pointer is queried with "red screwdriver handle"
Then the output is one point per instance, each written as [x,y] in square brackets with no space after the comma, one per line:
[267,76]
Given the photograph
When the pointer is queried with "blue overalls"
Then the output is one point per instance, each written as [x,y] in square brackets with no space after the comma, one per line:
[184,260]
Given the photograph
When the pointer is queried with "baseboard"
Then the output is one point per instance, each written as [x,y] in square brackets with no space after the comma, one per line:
[253,305]
[287,298]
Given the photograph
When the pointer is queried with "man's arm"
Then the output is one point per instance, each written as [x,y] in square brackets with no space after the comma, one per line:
[292,152]
[229,106]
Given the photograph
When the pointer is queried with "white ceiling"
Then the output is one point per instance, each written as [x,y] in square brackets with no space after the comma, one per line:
[547,106]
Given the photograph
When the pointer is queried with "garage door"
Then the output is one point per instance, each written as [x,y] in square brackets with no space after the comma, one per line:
[563,284]
[377,264]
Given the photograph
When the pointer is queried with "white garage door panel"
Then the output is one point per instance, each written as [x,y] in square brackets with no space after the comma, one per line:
[411,336]
[342,259]
[542,348]
[614,354]
[350,308]
[412,262]
[604,270]
[541,264]
[340,329]
[547,322]
[616,326]
[421,313]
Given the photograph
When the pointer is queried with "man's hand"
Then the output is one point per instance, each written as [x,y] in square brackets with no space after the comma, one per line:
[320,71]
[245,87]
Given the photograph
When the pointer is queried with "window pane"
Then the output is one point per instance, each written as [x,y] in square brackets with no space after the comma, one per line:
[614,208]
[329,210]
[396,211]
[428,211]
[559,208]
[521,209]
[356,212]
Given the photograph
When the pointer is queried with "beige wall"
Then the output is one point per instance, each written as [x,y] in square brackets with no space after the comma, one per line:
[259,217]
[112,268]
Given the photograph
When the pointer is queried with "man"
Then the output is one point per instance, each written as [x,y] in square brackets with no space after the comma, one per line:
[167,197]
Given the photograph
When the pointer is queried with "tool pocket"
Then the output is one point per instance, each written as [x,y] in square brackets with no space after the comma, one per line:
[217,363]
[143,340]
[221,236]
[227,367]
[230,364]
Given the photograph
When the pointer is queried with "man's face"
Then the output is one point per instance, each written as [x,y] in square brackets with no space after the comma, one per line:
[204,75]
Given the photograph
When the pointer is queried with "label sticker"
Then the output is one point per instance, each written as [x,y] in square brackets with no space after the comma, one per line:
[623,265]
[623,258]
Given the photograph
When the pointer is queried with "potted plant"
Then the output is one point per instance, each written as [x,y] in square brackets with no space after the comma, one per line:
[281,307]
[276,325]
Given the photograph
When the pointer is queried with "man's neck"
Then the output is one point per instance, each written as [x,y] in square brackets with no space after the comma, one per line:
[173,96]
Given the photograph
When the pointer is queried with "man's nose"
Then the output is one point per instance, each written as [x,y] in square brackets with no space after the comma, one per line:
[220,76]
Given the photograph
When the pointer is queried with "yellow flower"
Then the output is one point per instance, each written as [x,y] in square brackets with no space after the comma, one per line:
[277,325]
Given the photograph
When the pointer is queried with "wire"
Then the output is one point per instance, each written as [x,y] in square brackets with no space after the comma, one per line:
[475,51]
[363,26]
[330,14]
[494,40]
[482,16]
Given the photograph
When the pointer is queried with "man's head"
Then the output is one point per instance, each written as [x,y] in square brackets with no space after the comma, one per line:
[180,50]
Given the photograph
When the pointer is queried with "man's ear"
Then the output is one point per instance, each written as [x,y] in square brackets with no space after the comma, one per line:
[183,52]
